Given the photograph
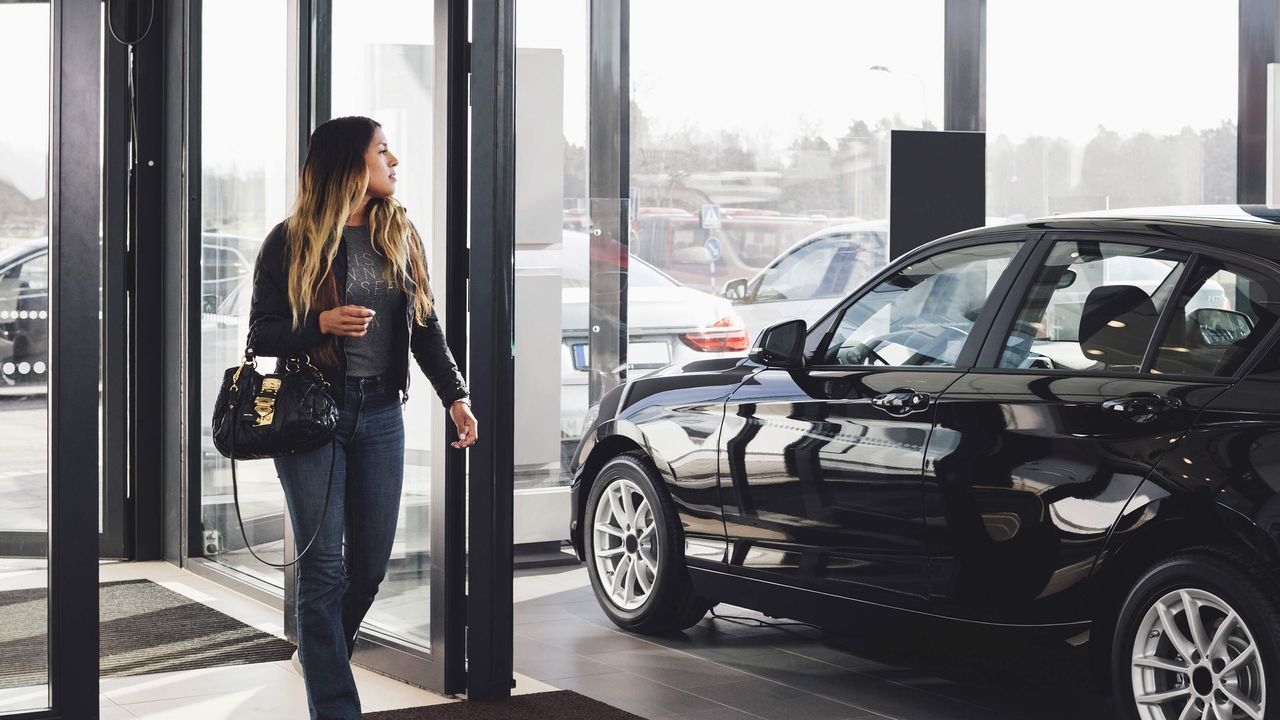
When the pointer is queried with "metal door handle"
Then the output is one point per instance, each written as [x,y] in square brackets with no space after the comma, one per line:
[1141,407]
[901,402]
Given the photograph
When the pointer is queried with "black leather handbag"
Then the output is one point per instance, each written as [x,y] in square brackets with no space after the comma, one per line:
[266,416]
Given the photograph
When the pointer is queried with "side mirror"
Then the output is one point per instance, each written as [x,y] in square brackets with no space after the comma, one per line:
[735,289]
[1221,327]
[780,345]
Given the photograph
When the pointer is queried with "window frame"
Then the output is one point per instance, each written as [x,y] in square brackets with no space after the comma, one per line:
[988,360]
[981,327]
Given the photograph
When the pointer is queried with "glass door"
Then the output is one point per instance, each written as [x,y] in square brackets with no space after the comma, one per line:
[387,60]
[50,509]
[24,343]
[247,176]
[390,62]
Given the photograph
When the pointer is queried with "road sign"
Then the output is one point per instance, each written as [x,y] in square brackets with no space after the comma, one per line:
[711,216]
[712,246]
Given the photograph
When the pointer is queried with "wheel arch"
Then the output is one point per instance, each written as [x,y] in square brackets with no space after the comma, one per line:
[1160,529]
[615,438]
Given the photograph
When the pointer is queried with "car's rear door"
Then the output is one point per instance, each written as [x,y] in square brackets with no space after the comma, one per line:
[820,468]
[1037,449]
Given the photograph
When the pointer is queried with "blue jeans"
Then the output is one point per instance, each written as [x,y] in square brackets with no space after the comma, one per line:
[337,580]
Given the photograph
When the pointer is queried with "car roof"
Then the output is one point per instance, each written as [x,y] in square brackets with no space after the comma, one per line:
[1253,229]
[22,250]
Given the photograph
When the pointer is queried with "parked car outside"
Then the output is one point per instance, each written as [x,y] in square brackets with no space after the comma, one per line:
[930,448]
[24,304]
[811,275]
[666,322]
[24,317]
[674,241]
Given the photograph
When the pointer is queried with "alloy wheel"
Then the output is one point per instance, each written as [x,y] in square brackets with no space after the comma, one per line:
[1194,658]
[625,544]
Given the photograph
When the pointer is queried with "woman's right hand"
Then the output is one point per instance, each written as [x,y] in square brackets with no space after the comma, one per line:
[348,320]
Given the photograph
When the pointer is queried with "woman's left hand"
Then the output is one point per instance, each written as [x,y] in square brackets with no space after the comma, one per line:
[465,422]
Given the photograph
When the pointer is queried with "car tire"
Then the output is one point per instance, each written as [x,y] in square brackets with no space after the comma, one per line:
[630,523]
[1164,668]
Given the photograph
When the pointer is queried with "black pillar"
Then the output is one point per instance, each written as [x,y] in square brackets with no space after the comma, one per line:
[74,204]
[492,272]
[965,65]
[1259,36]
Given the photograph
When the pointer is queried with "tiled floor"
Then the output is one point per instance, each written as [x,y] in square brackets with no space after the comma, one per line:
[264,691]
[723,669]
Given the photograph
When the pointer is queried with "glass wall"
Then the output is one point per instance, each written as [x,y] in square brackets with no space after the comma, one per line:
[781,136]
[24,359]
[1137,109]
[552,232]
[247,184]
[383,68]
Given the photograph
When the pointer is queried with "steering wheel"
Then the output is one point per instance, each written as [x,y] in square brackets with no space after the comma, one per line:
[857,353]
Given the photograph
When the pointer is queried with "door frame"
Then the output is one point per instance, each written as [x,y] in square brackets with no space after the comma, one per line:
[442,667]
[74,206]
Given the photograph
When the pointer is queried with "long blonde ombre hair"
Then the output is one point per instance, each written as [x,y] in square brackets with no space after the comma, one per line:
[333,183]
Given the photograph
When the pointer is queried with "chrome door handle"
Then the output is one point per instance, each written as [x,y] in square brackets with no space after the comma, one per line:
[1142,407]
[901,402]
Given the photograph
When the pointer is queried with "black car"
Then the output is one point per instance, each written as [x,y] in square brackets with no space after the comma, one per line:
[1070,425]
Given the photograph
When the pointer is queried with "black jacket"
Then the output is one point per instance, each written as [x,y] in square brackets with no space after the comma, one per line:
[271,330]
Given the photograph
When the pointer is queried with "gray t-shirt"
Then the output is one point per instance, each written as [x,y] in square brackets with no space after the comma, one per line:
[366,286]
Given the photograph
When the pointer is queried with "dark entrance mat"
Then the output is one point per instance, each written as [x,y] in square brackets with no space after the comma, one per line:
[558,705]
[145,629]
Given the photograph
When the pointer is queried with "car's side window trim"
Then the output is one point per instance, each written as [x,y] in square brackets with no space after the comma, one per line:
[969,354]
[1268,341]
[1166,314]
[1000,326]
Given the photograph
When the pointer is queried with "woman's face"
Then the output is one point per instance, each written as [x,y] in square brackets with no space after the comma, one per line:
[382,166]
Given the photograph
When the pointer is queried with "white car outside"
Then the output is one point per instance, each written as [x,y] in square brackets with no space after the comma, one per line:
[811,276]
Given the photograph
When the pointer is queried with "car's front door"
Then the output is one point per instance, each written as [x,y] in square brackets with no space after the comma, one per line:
[1038,448]
[820,468]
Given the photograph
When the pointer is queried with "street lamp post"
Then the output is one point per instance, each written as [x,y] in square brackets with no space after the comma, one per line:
[924,108]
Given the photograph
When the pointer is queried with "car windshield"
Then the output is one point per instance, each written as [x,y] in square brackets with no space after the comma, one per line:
[830,266]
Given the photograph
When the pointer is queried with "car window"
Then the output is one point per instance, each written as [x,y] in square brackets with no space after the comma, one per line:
[1093,307]
[799,276]
[922,314]
[856,261]
[22,283]
[1222,315]
[221,263]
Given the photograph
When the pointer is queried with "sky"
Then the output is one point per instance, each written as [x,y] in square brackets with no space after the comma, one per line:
[760,68]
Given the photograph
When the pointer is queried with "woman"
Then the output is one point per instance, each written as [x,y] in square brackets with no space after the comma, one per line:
[344,280]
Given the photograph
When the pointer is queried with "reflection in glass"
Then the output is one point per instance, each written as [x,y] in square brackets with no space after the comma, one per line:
[923,314]
[552,254]
[383,68]
[1093,308]
[1073,128]
[24,360]
[246,182]
[1223,315]
[758,174]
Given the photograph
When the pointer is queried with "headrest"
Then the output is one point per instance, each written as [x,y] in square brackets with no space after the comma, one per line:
[1116,324]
